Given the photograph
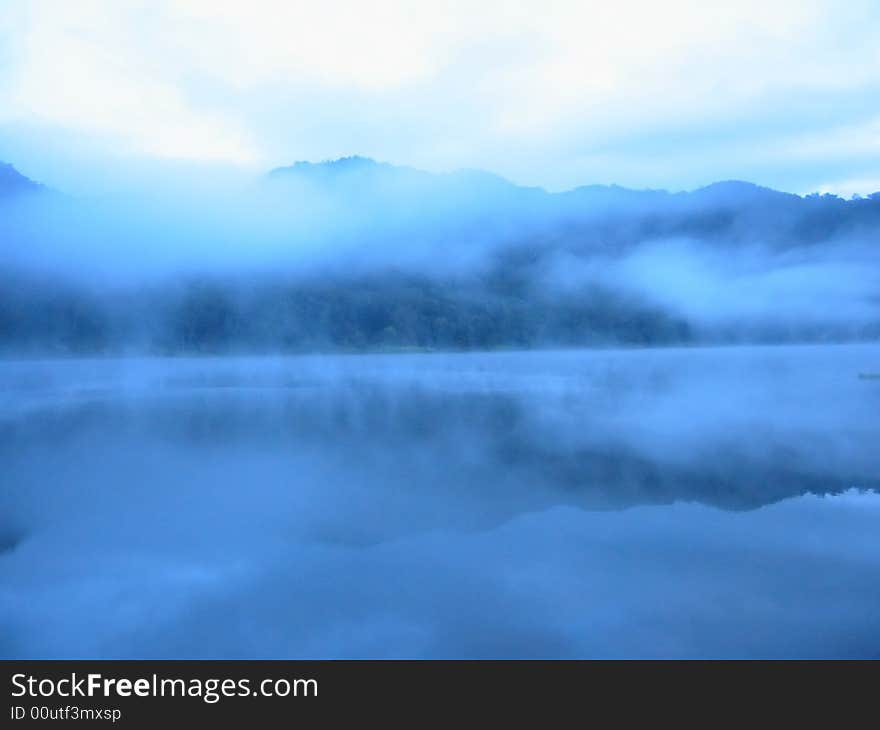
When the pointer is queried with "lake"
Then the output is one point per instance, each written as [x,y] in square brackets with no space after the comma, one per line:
[694,502]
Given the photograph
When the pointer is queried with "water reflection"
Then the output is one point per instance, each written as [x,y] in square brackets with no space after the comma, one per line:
[443,505]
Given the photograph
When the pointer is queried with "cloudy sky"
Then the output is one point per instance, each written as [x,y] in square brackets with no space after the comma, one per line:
[670,94]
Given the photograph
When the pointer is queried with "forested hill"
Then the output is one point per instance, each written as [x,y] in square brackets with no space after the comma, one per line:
[355,254]
[730,209]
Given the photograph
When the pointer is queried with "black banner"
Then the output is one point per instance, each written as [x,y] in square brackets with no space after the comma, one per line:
[268,693]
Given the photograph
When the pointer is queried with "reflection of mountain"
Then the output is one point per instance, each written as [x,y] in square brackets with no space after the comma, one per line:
[441,505]
[490,436]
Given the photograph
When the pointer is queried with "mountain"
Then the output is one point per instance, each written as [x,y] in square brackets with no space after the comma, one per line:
[368,255]
[738,191]
[729,212]
[335,170]
[364,176]
[392,197]
[13,183]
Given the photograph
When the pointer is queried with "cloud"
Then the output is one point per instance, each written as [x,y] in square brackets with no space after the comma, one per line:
[89,72]
[554,93]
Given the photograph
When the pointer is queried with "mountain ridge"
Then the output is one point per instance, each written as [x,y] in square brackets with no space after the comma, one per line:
[12,182]
[720,189]
[367,169]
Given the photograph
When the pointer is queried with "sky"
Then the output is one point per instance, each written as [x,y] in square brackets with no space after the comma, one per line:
[95,94]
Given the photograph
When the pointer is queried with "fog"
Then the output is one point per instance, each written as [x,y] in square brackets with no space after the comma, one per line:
[678,502]
[439,330]
[377,213]
[752,292]
[349,409]
[354,254]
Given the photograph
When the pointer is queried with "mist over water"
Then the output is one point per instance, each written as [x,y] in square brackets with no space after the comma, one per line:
[471,330]
[675,502]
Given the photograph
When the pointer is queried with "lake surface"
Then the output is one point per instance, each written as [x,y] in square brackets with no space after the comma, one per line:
[711,502]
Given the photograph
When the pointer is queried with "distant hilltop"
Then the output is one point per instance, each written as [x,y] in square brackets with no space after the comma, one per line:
[366,175]
[474,200]
[342,165]
[12,182]
[357,165]
[359,172]
[731,208]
